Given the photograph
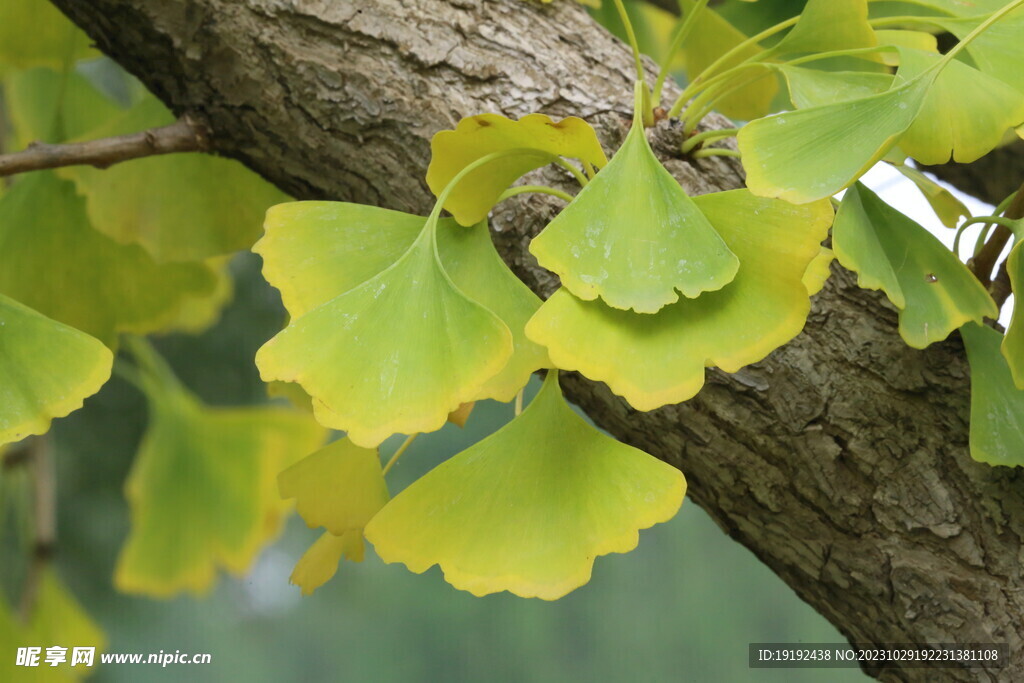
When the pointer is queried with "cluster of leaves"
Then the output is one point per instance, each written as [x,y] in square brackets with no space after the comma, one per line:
[400,323]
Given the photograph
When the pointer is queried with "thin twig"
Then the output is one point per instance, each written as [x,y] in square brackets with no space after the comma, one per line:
[184,135]
[44,526]
[982,264]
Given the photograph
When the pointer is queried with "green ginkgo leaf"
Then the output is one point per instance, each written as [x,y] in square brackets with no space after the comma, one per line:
[814,88]
[633,236]
[828,25]
[654,360]
[1013,344]
[917,40]
[475,137]
[51,106]
[179,207]
[91,282]
[319,563]
[528,509]
[934,292]
[818,271]
[813,153]
[35,33]
[340,487]
[202,491]
[57,618]
[711,38]
[46,370]
[964,115]
[315,251]
[397,353]
[997,405]
[944,203]
[196,314]
[998,50]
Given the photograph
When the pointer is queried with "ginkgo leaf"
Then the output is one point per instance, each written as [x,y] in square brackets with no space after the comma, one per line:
[964,115]
[712,37]
[57,618]
[315,251]
[527,509]
[395,354]
[934,292]
[35,33]
[339,487]
[52,106]
[46,370]
[319,563]
[654,360]
[813,153]
[179,207]
[477,136]
[998,50]
[818,271]
[460,416]
[1013,344]
[196,314]
[91,283]
[997,405]
[917,40]
[814,88]
[946,206]
[202,490]
[828,25]
[633,236]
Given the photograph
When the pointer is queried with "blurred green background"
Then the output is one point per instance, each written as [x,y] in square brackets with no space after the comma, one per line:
[683,606]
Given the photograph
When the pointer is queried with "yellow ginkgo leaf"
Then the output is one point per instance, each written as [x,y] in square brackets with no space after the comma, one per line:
[58,619]
[540,138]
[320,562]
[46,370]
[314,251]
[395,354]
[92,283]
[528,509]
[339,487]
[654,360]
[819,270]
[202,490]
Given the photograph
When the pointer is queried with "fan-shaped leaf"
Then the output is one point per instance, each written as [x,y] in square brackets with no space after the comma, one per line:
[653,360]
[633,237]
[946,206]
[1013,344]
[997,406]
[813,153]
[57,619]
[46,370]
[395,354]
[478,136]
[319,563]
[339,487]
[827,25]
[202,489]
[814,88]
[964,115]
[818,271]
[179,207]
[91,282]
[315,251]
[712,37]
[528,508]
[50,106]
[934,291]
[998,50]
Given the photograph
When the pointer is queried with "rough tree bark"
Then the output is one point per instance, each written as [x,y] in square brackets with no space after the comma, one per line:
[840,460]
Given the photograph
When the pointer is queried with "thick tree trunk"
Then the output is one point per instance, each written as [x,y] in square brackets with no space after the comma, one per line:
[840,461]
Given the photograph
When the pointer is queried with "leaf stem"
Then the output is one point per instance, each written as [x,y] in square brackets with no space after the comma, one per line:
[519,402]
[708,135]
[580,177]
[631,36]
[685,27]
[398,453]
[543,189]
[715,152]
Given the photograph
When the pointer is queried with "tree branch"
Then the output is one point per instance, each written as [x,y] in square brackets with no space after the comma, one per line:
[840,460]
[184,135]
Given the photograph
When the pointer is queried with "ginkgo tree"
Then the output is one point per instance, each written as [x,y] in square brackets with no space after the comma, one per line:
[399,323]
